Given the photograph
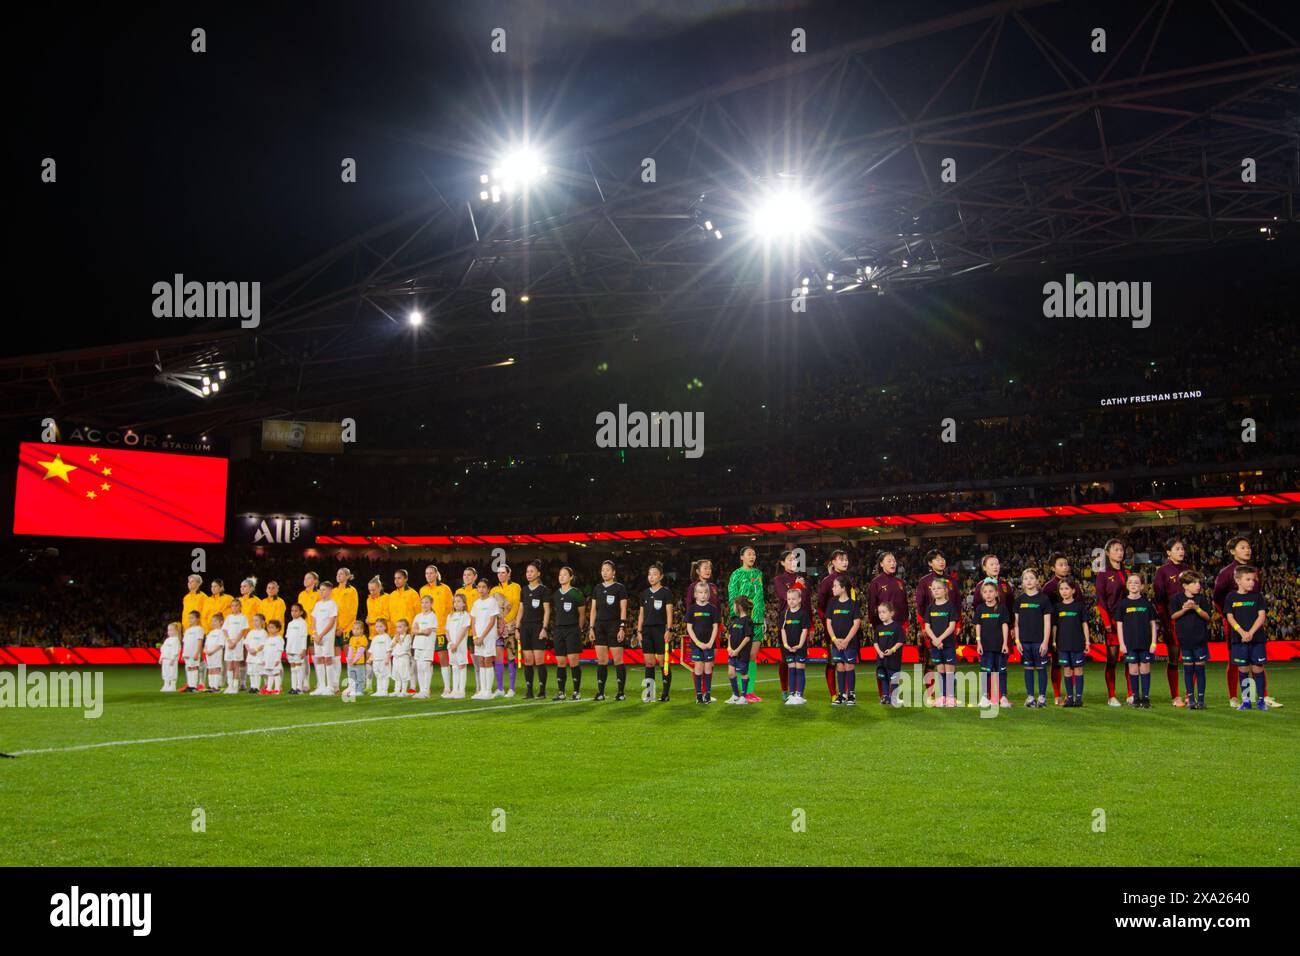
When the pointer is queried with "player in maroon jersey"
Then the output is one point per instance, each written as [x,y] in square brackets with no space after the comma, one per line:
[991,568]
[938,564]
[1110,591]
[1060,566]
[836,567]
[1168,593]
[791,576]
[887,588]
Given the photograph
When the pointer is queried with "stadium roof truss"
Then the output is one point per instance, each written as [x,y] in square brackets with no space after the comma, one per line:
[1062,156]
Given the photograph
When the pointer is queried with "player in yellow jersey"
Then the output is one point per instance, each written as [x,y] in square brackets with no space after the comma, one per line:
[507,593]
[404,605]
[193,600]
[272,606]
[346,597]
[307,598]
[376,603]
[469,590]
[441,595]
[218,602]
[248,606]
[403,601]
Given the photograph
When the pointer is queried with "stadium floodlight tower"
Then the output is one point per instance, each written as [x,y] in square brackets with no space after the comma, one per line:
[515,172]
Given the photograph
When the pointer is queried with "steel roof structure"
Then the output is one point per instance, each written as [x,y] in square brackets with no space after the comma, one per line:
[1063,156]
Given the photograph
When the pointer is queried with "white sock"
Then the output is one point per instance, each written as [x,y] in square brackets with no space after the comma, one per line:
[446,677]
[336,669]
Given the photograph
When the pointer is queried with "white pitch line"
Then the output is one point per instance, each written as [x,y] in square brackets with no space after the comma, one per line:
[272,730]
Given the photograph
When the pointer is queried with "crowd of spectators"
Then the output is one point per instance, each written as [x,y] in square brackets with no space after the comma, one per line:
[1028,426]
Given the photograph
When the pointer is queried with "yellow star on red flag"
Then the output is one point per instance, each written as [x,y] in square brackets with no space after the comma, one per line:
[90,494]
[105,486]
[94,459]
[57,468]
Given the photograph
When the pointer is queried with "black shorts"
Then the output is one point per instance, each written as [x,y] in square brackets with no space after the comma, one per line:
[740,661]
[568,640]
[607,634]
[797,656]
[652,640]
[529,636]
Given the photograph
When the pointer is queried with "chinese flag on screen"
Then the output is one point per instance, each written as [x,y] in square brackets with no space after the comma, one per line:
[88,492]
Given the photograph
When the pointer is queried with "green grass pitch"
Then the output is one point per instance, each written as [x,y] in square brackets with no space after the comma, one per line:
[639,784]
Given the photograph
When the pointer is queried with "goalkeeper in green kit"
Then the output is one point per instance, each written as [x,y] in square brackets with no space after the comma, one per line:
[747,581]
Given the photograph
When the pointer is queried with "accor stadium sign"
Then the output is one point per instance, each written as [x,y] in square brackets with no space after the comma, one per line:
[125,437]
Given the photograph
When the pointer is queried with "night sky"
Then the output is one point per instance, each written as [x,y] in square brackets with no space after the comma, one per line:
[225,165]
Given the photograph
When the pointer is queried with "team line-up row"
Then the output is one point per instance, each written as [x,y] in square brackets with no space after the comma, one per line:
[243,642]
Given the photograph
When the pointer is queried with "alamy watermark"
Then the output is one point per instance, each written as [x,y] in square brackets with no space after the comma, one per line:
[75,908]
[1098,300]
[78,690]
[969,689]
[624,429]
[208,300]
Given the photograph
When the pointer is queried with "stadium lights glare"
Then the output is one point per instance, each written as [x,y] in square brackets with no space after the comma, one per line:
[415,317]
[783,214]
[517,170]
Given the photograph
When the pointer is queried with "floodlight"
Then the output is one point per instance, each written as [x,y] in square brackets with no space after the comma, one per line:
[783,214]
